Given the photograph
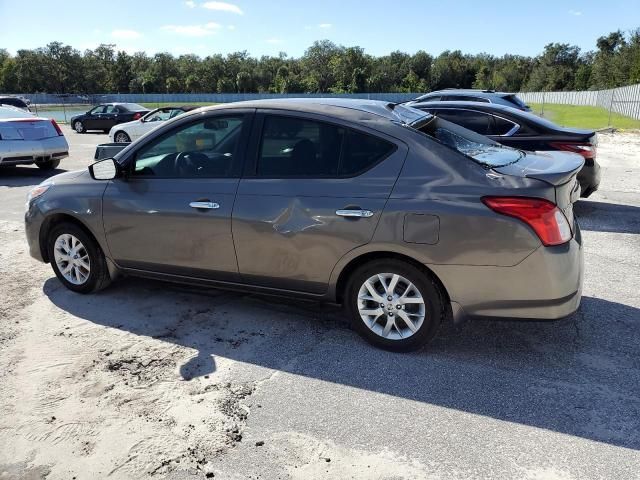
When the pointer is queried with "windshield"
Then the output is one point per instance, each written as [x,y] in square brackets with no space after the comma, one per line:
[480,149]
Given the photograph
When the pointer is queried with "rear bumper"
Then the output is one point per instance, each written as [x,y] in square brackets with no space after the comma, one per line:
[547,285]
[589,179]
[35,151]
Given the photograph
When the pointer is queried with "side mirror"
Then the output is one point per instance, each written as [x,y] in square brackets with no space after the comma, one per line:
[107,169]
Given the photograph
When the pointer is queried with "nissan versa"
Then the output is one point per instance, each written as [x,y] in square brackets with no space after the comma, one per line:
[404,218]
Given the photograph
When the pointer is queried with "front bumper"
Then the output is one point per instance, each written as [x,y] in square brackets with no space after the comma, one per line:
[547,285]
[33,219]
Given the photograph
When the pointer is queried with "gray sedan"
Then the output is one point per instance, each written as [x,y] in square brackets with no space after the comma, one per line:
[26,139]
[404,218]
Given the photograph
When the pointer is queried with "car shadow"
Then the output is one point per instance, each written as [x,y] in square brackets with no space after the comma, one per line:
[578,376]
[25,175]
[607,217]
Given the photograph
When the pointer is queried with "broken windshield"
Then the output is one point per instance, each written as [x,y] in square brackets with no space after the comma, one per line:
[477,147]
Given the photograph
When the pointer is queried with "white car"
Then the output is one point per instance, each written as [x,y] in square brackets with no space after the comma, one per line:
[131,131]
[26,139]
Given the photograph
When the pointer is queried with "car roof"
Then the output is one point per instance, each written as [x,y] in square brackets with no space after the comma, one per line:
[345,108]
[494,107]
[467,91]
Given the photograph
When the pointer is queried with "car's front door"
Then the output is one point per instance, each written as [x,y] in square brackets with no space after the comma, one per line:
[173,213]
[94,118]
[313,192]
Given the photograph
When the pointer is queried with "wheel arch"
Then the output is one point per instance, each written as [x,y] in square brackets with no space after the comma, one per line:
[56,219]
[355,263]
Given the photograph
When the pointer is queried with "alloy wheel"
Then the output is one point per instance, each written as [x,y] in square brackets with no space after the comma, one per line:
[391,306]
[72,259]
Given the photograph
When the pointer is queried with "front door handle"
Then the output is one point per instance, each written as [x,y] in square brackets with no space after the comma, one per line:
[357,213]
[204,205]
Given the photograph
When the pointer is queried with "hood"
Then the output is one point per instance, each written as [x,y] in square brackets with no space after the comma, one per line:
[67,177]
[125,124]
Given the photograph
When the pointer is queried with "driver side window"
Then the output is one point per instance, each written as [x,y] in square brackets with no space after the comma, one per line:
[98,109]
[204,149]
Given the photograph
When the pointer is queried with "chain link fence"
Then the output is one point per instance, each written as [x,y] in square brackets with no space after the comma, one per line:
[623,100]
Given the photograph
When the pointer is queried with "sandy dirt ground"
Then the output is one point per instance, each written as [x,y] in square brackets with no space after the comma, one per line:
[147,379]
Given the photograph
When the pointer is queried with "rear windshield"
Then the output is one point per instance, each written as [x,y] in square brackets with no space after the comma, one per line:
[132,107]
[515,100]
[478,148]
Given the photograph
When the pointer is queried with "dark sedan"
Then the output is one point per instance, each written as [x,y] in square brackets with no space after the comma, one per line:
[524,131]
[106,115]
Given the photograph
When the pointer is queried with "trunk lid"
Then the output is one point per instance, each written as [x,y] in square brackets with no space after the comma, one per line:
[27,129]
[558,169]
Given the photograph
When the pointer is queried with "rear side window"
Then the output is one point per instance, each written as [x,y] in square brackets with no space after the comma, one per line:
[361,152]
[501,126]
[295,147]
[476,121]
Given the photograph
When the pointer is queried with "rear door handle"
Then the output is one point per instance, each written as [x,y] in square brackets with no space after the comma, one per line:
[357,213]
[204,205]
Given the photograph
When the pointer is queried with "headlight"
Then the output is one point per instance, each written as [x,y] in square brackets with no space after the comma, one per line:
[38,192]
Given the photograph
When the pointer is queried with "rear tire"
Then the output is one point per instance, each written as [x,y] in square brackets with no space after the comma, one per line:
[389,291]
[77,259]
[48,165]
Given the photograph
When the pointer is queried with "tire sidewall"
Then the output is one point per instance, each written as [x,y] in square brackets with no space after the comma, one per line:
[78,122]
[128,139]
[425,284]
[48,165]
[96,258]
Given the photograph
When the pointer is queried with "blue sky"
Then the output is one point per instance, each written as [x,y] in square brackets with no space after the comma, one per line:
[268,27]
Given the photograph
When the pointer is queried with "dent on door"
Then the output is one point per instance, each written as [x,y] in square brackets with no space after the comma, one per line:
[295,242]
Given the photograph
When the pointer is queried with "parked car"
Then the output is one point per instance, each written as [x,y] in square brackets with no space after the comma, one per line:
[131,131]
[404,218]
[106,115]
[473,95]
[26,139]
[14,102]
[525,131]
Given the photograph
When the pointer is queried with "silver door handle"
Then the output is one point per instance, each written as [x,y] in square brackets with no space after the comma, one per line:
[207,205]
[355,213]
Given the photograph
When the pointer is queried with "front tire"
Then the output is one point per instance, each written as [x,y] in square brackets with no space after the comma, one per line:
[76,259]
[78,126]
[394,305]
[48,165]
[121,137]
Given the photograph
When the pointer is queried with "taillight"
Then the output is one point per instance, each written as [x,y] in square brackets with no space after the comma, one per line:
[544,217]
[57,127]
[137,115]
[587,150]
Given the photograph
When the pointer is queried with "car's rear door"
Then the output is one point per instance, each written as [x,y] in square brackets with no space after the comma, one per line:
[314,191]
[173,213]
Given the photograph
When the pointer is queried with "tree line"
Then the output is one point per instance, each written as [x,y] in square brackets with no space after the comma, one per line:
[324,68]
